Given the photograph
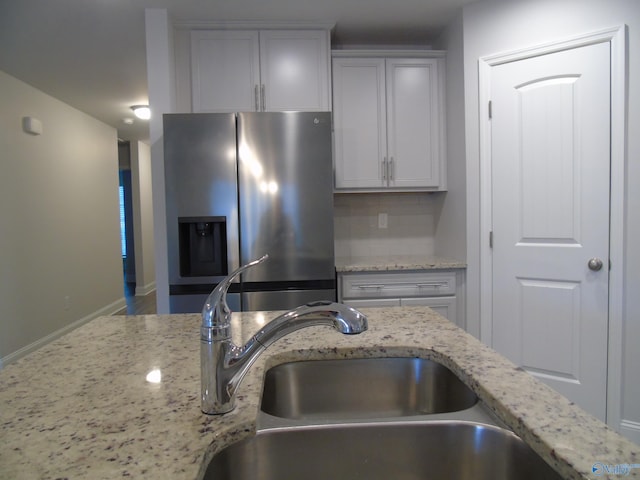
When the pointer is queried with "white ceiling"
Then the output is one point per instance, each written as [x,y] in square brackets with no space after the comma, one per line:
[91,53]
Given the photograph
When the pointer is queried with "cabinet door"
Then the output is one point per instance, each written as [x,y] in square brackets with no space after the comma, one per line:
[359,122]
[294,69]
[413,119]
[225,74]
[445,306]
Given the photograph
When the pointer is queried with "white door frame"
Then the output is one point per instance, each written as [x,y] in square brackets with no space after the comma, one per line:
[617,37]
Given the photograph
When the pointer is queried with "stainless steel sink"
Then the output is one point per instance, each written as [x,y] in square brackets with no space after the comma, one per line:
[410,450]
[363,388]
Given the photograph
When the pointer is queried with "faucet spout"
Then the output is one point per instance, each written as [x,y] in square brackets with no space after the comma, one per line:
[216,312]
[223,365]
[344,319]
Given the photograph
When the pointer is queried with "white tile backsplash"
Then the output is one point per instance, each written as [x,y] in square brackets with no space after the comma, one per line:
[410,230]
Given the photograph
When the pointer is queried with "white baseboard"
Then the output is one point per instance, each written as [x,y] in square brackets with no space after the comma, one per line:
[631,430]
[145,289]
[108,310]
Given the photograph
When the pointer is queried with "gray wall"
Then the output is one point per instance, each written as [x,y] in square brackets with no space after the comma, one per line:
[60,264]
[493,26]
[143,218]
[450,238]
[160,75]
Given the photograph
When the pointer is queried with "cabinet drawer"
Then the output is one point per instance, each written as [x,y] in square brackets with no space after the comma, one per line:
[371,285]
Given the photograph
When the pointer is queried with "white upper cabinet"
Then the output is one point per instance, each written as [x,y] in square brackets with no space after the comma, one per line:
[225,70]
[360,122]
[389,123]
[294,68]
[266,70]
[413,122]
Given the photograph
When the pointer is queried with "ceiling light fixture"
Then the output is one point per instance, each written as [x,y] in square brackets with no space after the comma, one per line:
[142,111]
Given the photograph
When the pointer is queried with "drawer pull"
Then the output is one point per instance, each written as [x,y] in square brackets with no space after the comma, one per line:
[432,285]
[370,287]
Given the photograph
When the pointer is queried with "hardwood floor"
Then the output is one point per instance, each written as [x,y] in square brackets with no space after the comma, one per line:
[138,305]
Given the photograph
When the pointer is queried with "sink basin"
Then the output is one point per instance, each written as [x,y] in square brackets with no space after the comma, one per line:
[363,388]
[402,451]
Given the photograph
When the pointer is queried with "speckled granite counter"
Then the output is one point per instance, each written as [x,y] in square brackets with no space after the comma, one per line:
[81,407]
[395,262]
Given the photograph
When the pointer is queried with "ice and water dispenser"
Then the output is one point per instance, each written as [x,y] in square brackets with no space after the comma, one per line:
[202,246]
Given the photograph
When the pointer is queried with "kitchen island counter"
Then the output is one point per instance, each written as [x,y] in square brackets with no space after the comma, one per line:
[119,396]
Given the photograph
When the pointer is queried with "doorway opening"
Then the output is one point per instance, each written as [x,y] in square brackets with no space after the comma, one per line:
[126,219]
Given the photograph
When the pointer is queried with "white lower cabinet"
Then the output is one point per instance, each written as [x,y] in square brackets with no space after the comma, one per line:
[372,302]
[445,306]
[439,290]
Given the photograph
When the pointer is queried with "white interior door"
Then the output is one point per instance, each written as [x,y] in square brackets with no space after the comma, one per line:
[550,150]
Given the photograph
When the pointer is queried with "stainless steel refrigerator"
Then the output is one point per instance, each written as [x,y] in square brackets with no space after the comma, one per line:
[239,186]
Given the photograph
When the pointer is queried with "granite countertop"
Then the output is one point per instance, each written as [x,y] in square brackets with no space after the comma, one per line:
[396,262]
[81,407]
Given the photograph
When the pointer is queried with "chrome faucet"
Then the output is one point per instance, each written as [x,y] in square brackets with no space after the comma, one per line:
[223,365]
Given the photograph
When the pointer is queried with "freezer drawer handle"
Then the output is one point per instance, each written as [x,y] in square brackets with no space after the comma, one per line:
[370,287]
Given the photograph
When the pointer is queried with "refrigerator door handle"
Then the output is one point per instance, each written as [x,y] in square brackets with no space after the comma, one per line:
[264,103]
[391,168]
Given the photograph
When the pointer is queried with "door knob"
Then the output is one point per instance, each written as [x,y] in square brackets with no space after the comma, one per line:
[595,264]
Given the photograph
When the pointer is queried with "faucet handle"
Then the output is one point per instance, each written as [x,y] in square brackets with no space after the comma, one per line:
[216,312]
